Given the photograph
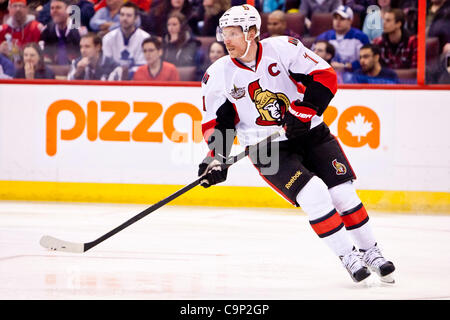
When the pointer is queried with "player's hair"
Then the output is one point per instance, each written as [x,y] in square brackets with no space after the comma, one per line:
[257,39]
[95,38]
[399,15]
[373,47]
[329,48]
[154,40]
[130,4]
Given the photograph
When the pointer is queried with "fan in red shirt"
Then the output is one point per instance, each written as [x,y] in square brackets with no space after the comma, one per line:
[20,28]
[155,69]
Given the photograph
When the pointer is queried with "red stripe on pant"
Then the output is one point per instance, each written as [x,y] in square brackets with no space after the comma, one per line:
[355,217]
[327,225]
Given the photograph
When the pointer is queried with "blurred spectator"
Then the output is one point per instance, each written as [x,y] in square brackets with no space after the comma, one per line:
[371,70]
[440,74]
[93,65]
[277,26]
[272,5]
[124,44]
[325,50]
[155,69]
[20,28]
[86,12]
[373,23]
[255,3]
[61,39]
[405,4]
[144,5]
[106,19]
[411,20]
[3,9]
[309,7]
[360,7]
[434,6]
[216,50]
[159,14]
[34,66]
[398,49]
[214,9]
[180,48]
[7,69]
[346,40]
[438,21]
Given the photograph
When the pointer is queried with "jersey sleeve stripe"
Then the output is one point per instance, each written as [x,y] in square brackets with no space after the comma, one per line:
[208,129]
[326,77]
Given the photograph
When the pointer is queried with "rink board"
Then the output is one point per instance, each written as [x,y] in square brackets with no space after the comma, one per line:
[140,143]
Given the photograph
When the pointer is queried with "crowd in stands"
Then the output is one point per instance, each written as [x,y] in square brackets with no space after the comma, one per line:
[365,41]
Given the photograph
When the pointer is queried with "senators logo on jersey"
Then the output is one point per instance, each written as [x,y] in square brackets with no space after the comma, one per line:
[340,167]
[271,106]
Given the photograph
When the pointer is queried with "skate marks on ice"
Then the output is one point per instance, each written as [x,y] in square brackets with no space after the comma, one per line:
[208,253]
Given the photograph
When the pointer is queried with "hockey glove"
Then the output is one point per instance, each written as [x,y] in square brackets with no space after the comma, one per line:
[213,170]
[297,121]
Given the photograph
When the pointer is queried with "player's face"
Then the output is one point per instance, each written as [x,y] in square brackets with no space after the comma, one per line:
[88,49]
[216,52]
[151,53]
[367,60]
[127,18]
[30,56]
[234,40]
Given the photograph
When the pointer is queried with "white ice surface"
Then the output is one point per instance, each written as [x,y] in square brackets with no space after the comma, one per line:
[208,253]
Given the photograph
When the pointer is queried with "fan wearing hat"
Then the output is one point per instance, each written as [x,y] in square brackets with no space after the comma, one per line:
[20,28]
[346,40]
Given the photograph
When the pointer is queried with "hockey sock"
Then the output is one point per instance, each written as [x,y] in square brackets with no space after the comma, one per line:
[353,214]
[315,200]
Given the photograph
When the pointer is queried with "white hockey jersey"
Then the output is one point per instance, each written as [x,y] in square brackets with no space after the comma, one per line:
[127,52]
[285,71]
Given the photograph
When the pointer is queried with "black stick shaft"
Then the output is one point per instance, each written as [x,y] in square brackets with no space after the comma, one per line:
[175,195]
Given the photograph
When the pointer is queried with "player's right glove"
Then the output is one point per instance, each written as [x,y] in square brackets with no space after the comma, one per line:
[213,171]
[297,120]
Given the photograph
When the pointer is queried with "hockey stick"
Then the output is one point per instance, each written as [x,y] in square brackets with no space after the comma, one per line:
[52,243]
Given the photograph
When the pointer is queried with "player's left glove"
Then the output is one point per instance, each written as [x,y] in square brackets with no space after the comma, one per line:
[213,170]
[297,120]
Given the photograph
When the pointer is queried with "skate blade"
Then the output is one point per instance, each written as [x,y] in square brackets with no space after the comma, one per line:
[389,279]
[365,283]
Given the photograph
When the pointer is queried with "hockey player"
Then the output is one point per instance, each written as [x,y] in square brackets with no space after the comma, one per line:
[263,85]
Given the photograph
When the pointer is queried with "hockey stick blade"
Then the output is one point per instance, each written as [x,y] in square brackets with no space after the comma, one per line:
[55,244]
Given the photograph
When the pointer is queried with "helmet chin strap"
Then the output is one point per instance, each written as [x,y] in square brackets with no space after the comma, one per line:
[248,45]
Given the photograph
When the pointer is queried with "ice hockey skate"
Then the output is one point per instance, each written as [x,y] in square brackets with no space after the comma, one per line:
[373,258]
[355,266]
